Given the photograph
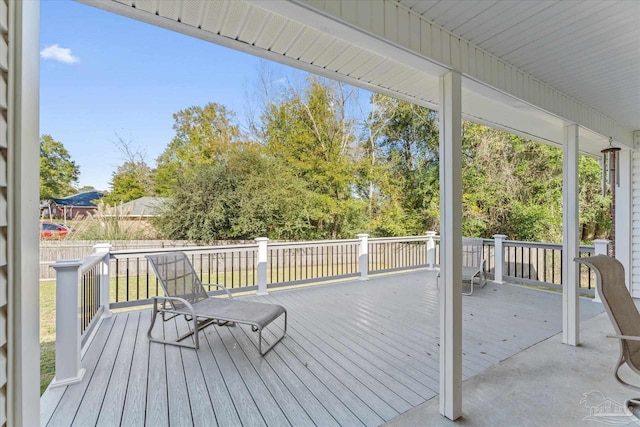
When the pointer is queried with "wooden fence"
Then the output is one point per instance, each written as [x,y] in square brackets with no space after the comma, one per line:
[55,250]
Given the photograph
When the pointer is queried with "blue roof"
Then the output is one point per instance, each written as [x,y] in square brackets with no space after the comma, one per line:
[80,199]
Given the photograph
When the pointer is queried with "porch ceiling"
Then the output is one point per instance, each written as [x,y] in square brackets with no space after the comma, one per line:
[587,49]
[529,66]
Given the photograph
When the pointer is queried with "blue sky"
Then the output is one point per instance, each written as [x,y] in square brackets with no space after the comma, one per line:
[103,75]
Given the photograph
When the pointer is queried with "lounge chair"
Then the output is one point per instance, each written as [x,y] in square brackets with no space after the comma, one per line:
[185,295]
[621,311]
[473,263]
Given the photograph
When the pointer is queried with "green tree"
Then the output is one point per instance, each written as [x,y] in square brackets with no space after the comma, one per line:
[204,135]
[510,186]
[311,134]
[130,181]
[58,173]
[595,215]
[247,196]
[401,182]
[513,186]
[133,179]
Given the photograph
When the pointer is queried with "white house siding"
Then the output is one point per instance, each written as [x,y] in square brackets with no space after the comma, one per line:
[635,223]
[19,243]
[3,210]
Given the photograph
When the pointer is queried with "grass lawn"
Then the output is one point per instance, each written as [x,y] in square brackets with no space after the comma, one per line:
[47,332]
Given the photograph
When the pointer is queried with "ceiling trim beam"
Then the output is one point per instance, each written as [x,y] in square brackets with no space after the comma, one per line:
[413,37]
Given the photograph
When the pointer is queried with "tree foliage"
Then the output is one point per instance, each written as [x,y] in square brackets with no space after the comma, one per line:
[315,172]
[204,135]
[401,172]
[247,196]
[511,186]
[130,181]
[311,135]
[58,173]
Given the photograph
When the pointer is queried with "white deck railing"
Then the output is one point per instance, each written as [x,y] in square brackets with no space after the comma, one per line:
[82,300]
[87,290]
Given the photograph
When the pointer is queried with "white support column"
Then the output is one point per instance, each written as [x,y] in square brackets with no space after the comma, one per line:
[570,239]
[22,397]
[68,368]
[451,245]
[498,240]
[431,250]
[261,273]
[623,216]
[601,247]
[104,249]
[363,256]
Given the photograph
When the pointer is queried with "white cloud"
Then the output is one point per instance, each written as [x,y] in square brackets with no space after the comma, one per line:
[57,53]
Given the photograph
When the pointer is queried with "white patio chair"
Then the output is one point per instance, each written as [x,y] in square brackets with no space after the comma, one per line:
[185,296]
[473,263]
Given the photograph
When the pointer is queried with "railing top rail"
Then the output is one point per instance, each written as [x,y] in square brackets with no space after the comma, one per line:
[230,248]
[402,239]
[541,245]
[313,243]
[91,261]
[532,244]
[83,265]
[191,249]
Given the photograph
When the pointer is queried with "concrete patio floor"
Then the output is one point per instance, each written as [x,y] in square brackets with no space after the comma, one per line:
[549,384]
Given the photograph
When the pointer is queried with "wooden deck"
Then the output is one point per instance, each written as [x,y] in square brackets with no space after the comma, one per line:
[356,353]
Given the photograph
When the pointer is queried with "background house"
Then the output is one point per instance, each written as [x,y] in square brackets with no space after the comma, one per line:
[78,205]
[141,208]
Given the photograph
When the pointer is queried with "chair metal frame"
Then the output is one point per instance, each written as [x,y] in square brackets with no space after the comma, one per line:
[195,309]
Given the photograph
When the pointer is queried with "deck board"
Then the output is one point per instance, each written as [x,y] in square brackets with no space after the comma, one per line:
[319,358]
[93,397]
[114,398]
[274,411]
[356,353]
[321,384]
[387,357]
[133,413]
[373,380]
[287,399]
[369,358]
[284,382]
[177,393]
[199,398]
[72,398]
[223,406]
[248,412]
[157,406]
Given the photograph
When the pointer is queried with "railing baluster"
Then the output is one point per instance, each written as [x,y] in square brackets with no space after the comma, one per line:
[296,261]
[117,280]
[127,280]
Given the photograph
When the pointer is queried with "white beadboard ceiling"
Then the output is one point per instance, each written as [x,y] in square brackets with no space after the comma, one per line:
[587,49]
[583,55]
